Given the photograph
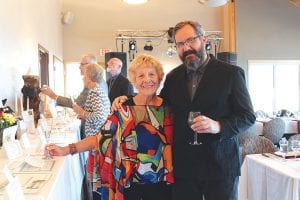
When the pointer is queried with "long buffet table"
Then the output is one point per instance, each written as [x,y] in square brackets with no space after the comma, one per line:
[60,179]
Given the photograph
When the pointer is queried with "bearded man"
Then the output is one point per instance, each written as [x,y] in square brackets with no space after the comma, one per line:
[218,90]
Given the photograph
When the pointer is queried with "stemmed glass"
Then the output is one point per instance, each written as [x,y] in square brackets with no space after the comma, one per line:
[47,134]
[46,130]
[295,146]
[288,114]
[283,143]
[191,117]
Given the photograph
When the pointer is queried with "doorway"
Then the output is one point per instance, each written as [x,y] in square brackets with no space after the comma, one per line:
[44,65]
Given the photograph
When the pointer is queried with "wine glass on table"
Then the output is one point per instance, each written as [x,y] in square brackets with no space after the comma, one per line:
[191,117]
[295,146]
[47,134]
[283,143]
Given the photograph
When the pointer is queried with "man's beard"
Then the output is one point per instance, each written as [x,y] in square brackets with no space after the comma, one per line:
[193,64]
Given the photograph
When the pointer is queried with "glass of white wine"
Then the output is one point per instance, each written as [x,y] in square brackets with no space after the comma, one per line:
[47,133]
[295,146]
[191,117]
[284,144]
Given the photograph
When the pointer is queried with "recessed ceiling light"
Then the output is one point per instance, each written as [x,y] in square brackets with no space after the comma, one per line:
[213,3]
[135,1]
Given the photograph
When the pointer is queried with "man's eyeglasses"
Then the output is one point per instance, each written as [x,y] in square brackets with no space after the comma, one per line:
[189,42]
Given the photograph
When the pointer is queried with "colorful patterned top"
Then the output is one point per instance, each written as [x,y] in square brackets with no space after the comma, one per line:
[135,146]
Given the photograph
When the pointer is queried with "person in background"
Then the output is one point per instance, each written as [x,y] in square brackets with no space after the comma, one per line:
[217,90]
[80,100]
[82,114]
[118,85]
[135,143]
[94,113]
[97,105]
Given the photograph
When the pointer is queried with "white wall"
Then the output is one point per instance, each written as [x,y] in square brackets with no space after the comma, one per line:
[23,25]
[267,29]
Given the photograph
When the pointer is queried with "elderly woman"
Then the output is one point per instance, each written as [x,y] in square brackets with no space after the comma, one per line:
[134,145]
[97,105]
[93,114]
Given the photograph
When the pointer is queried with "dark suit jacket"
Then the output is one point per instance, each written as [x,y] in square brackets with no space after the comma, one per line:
[221,95]
[121,86]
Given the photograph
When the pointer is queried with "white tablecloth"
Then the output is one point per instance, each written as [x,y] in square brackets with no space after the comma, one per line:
[67,172]
[269,178]
[67,180]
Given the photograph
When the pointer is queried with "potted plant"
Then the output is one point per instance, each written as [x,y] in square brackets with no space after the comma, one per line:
[6,120]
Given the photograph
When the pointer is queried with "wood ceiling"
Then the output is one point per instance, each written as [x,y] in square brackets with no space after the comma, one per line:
[295,2]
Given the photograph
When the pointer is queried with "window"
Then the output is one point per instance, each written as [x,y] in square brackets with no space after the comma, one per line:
[59,76]
[74,82]
[274,85]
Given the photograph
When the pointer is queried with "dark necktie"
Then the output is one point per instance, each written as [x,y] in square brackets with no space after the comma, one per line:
[111,82]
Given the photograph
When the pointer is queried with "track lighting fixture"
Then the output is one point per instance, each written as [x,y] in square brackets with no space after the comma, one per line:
[148,46]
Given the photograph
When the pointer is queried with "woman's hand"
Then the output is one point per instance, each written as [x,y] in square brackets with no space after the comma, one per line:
[203,124]
[49,92]
[116,104]
[55,150]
